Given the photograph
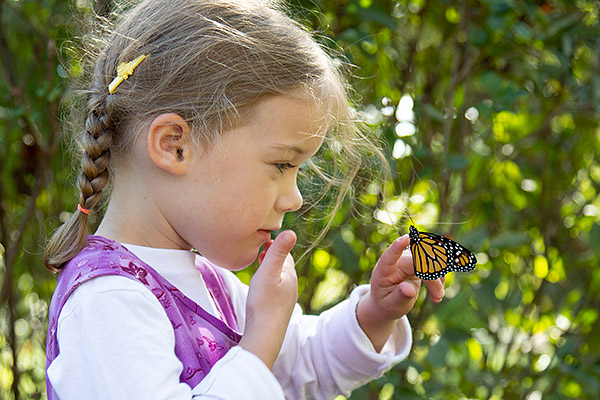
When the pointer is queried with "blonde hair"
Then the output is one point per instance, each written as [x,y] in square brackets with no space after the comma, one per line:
[210,62]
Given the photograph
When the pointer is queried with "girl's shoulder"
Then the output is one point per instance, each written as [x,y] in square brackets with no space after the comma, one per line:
[102,252]
[101,257]
[99,253]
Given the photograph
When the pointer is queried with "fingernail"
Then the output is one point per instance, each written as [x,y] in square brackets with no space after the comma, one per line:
[287,237]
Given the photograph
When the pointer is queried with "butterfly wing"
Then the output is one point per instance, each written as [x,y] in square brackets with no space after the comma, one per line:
[434,255]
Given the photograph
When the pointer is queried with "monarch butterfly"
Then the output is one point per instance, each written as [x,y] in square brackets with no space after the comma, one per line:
[434,255]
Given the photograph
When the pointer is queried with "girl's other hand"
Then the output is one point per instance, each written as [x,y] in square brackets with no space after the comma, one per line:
[272,295]
[394,290]
[263,253]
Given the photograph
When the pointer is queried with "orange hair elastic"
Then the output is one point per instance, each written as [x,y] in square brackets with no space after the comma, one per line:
[83,210]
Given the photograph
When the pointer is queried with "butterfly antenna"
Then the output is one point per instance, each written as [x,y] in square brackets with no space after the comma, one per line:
[409,216]
[457,222]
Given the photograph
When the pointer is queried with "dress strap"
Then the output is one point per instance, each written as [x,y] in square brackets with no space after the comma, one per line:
[218,290]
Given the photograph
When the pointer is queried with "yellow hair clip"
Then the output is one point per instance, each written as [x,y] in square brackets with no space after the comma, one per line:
[124,70]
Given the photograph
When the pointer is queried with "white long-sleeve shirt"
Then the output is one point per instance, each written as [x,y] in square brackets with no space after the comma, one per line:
[116,342]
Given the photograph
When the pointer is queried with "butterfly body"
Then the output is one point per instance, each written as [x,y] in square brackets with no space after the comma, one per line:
[435,255]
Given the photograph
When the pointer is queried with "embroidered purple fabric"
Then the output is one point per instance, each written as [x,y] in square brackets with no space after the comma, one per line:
[201,339]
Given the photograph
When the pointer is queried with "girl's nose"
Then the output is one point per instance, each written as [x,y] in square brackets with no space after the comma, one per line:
[290,200]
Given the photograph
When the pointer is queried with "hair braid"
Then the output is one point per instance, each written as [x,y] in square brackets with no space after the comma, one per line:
[96,143]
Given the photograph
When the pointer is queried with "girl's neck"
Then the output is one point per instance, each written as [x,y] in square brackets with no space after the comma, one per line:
[131,219]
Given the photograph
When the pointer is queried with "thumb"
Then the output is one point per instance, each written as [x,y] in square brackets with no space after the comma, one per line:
[279,250]
[409,289]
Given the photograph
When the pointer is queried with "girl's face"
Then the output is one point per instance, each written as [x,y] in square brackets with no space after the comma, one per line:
[237,193]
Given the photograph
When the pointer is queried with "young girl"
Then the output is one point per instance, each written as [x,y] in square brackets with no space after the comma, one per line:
[202,111]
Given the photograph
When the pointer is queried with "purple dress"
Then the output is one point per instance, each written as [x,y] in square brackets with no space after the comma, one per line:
[200,338]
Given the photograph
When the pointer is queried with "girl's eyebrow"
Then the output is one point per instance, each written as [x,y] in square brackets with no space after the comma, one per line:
[285,147]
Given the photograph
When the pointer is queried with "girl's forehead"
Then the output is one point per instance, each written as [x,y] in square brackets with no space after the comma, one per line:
[282,125]
[289,116]
[306,106]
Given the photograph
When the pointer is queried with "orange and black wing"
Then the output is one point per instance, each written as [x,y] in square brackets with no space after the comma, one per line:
[434,255]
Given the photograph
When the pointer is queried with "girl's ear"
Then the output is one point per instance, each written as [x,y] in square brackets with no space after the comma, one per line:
[170,143]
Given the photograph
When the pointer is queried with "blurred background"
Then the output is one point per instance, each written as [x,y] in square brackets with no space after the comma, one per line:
[489,113]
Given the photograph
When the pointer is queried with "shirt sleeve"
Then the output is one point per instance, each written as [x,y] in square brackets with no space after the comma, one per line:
[329,354]
[116,342]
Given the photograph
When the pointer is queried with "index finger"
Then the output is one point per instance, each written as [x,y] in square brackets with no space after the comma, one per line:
[436,289]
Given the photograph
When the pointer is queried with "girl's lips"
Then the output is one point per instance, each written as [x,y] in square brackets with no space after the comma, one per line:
[265,234]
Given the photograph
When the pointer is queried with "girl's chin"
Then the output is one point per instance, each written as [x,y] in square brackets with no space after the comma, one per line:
[237,264]
[232,258]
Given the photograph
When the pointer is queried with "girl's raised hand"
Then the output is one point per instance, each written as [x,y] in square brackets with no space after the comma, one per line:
[394,290]
[272,295]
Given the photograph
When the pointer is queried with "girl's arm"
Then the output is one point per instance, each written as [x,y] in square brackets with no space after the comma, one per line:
[272,294]
[331,354]
[116,341]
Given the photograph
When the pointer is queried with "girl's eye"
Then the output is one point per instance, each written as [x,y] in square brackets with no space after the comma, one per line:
[282,167]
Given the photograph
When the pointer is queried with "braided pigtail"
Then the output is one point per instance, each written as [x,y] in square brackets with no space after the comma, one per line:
[96,143]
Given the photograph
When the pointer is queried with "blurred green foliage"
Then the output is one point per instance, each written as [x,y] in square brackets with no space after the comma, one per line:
[489,112]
